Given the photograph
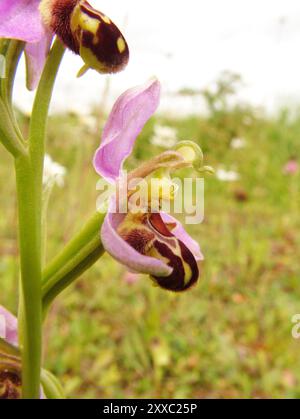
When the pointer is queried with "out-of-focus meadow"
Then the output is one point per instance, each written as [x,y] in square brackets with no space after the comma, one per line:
[230,336]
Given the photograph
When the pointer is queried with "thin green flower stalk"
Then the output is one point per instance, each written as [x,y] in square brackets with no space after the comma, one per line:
[10,134]
[76,257]
[29,173]
[12,50]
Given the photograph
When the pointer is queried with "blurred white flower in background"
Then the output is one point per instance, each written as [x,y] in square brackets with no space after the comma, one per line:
[247,120]
[164,136]
[54,173]
[238,143]
[89,121]
[227,175]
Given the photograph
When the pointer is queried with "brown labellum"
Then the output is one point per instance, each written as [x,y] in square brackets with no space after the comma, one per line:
[87,32]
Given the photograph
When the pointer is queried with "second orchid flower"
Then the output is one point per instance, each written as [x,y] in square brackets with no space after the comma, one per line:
[147,242]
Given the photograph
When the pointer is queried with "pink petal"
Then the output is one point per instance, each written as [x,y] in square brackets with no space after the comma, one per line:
[10,326]
[127,118]
[36,54]
[125,254]
[182,235]
[21,19]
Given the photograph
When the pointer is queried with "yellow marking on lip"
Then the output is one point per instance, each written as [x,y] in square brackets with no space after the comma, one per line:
[45,8]
[81,20]
[121,44]
[106,19]
[90,24]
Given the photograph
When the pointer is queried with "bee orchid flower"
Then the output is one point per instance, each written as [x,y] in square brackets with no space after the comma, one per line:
[147,242]
[80,27]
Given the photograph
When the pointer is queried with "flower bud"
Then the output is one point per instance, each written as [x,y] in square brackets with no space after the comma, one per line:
[87,32]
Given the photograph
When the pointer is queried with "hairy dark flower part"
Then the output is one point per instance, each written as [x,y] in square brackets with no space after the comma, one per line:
[87,32]
[10,383]
[149,235]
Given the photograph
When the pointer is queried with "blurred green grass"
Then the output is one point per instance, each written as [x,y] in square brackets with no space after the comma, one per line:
[228,337]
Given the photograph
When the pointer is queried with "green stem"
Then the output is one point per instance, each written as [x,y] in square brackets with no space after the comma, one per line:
[77,256]
[8,134]
[46,199]
[62,282]
[38,123]
[29,174]
[11,50]
[30,254]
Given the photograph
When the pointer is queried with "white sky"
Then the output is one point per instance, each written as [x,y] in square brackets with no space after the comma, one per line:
[188,44]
